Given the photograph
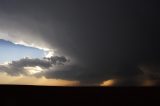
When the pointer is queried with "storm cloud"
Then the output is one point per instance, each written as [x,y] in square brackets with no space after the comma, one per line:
[16,68]
[103,39]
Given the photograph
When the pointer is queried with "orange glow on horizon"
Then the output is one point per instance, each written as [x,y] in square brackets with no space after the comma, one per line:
[148,83]
[29,80]
[110,82]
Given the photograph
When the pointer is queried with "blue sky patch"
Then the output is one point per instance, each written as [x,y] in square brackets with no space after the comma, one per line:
[10,51]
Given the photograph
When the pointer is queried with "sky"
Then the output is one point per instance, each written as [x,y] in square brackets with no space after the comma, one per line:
[18,52]
[88,42]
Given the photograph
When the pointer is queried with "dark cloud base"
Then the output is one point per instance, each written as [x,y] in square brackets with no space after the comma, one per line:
[72,72]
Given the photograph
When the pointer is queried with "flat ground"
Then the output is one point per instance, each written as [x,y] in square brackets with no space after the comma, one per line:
[13,95]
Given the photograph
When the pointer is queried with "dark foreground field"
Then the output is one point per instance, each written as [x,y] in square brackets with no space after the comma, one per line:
[12,95]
